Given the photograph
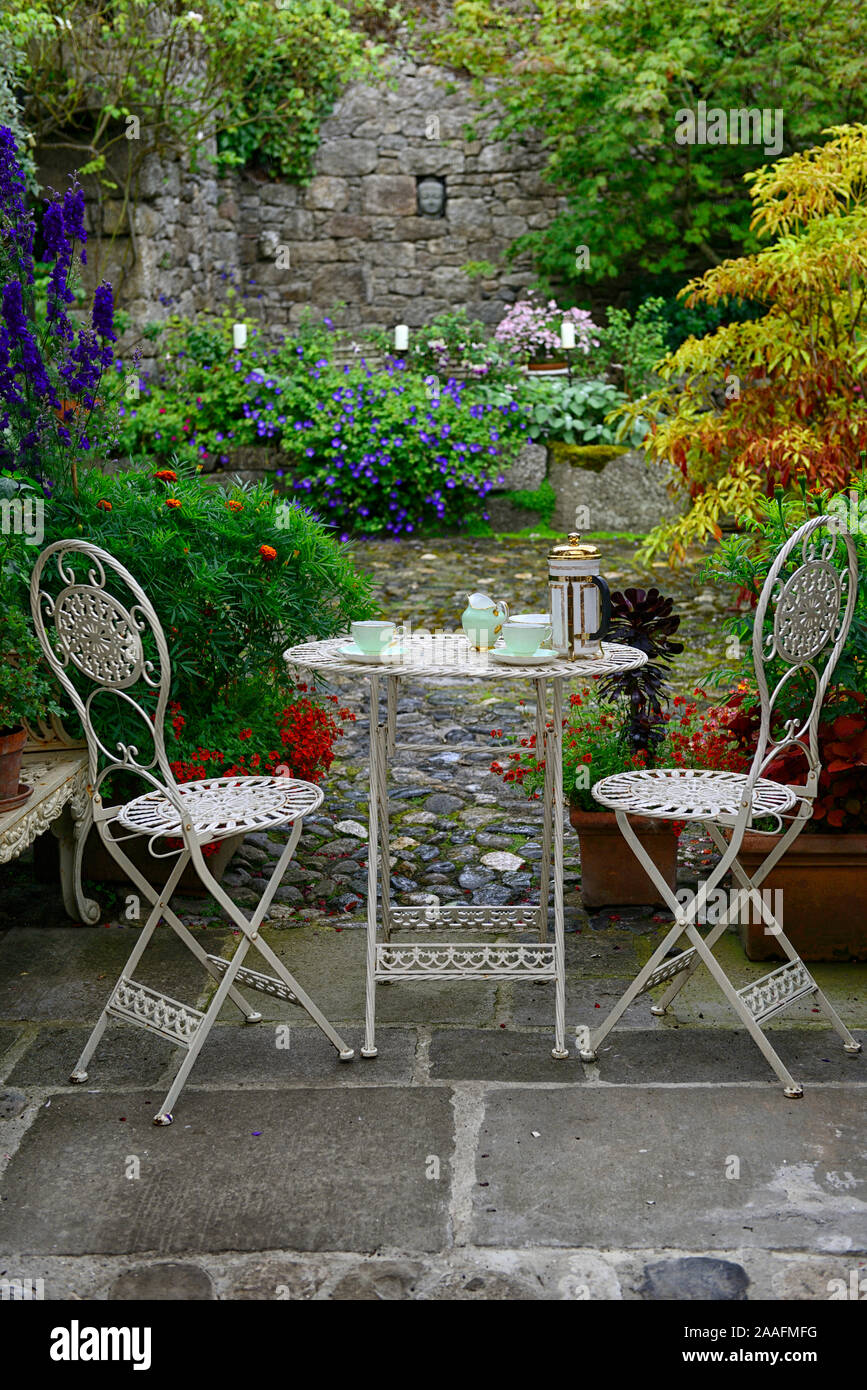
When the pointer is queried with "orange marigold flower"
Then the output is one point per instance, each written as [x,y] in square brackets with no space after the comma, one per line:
[173,502]
[235,506]
[267,552]
[104,505]
[166,475]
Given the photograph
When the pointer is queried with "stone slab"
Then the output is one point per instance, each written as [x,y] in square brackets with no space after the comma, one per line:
[68,973]
[626,495]
[636,1167]
[587,1002]
[239,1054]
[8,1039]
[464,1054]
[718,1054]
[126,1056]
[286,1170]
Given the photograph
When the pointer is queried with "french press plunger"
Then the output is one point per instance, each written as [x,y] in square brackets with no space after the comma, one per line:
[580,599]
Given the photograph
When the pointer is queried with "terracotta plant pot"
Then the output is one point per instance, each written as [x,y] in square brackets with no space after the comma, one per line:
[823,879]
[542,365]
[99,865]
[12,743]
[611,876]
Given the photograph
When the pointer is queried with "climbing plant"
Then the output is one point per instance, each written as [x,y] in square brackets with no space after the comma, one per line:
[108,83]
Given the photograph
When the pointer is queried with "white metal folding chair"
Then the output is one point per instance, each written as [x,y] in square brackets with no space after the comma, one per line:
[810,596]
[114,645]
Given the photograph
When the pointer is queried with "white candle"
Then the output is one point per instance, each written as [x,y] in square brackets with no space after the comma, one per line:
[239,335]
[401,337]
[567,333]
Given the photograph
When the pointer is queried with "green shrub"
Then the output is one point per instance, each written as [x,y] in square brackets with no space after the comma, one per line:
[25,688]
[575,412]
[235,577]
[633,345]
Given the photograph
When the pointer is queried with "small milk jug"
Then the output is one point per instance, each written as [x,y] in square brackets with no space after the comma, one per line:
[482,620]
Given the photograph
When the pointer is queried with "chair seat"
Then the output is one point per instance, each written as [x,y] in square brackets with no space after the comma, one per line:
[678,793]
[222,806]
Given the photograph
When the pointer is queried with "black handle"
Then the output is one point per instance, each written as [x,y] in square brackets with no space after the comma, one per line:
[605,623]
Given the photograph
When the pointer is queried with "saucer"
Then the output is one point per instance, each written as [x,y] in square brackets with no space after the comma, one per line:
[354,653]
[540,657]
[21,797]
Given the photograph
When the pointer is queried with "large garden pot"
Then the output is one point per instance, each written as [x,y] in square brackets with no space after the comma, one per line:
[823,879]
[102,868]
[611,876]
[12,743]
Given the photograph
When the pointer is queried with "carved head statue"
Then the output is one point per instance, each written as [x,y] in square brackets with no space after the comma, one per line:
[431,197]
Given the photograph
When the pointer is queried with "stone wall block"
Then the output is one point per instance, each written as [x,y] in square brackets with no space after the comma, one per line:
[347,157]
[327,192]
[389,193]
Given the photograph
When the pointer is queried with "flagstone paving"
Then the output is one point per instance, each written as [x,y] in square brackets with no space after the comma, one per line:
[463,1162]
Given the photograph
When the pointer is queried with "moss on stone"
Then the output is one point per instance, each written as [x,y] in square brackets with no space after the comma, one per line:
[542,500]
[593,456]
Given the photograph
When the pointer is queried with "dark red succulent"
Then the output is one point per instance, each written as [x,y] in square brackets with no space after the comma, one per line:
[643,618]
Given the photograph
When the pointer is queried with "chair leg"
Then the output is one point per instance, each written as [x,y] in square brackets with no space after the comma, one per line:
[667,999]
[850,1043]
[137,877]
[554,756]
[79,1072]
[226,988]
[791,1088]
[547,808]
[590,1053]
[250,928]
[682,922]
[164,1114]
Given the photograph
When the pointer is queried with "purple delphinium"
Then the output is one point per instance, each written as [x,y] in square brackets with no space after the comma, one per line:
[49,377]
[16,221]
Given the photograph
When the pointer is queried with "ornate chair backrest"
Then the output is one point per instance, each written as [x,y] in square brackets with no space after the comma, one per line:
[810,596]
[110,644]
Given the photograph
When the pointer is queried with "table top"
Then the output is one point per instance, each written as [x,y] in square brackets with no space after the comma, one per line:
[53,777]
[450,654]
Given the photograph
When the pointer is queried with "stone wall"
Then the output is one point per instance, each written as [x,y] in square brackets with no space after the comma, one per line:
[356,233]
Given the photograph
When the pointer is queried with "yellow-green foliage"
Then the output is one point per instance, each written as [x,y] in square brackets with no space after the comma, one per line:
[754,405]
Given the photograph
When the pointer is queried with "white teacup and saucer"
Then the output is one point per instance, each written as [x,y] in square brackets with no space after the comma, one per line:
[523,641]
[373,641]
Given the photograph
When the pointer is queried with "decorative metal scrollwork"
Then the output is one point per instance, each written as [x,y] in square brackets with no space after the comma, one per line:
[98,635]
[807,612]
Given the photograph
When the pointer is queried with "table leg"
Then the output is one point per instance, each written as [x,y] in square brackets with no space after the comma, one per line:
[542,751]
[71,829]
[554,760]
[386,736]
[391,687]
[373,805]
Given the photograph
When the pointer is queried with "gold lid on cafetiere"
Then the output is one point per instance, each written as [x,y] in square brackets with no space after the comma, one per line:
[574,549]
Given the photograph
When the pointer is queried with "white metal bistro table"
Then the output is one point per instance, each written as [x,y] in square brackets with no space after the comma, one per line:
[445,656]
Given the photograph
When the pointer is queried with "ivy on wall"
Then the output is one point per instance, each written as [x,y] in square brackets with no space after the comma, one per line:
[108,83]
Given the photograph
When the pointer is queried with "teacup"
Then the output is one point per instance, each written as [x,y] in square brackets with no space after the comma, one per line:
[525,638]
[372,636]
[534,620]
